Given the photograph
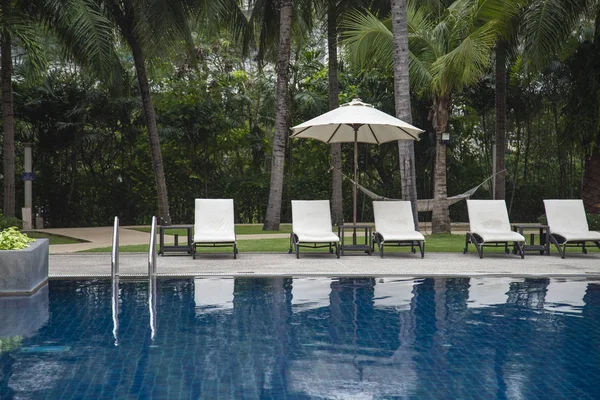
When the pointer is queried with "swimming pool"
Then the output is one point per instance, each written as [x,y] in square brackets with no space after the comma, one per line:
[468,338]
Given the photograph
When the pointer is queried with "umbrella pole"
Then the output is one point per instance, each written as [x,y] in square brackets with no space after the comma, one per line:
[354,191]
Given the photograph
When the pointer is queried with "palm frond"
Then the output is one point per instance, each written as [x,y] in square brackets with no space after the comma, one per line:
[25,32]
[547,24]
[466,63]
[368,39]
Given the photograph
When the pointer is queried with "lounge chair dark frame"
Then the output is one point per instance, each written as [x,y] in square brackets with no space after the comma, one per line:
[295,246]
[378,238]
[560,241]
[480,244]
[215,244]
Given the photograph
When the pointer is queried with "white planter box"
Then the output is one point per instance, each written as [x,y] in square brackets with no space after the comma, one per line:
[24,271]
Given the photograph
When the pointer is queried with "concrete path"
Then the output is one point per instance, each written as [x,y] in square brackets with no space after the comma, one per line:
[269,264]
[93,238]
[65,262]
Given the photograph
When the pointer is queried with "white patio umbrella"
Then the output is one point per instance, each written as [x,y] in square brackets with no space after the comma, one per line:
[356,122]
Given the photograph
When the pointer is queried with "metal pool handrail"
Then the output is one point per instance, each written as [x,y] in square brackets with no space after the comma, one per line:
[114,259]
[152,279]
[152,249]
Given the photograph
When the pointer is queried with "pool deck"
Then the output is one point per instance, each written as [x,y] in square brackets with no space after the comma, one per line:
[275,264]
[65,262]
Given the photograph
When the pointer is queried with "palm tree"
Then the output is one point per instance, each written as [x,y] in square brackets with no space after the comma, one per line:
[406,148]
[273,217]
[21,23]
[334,92]
[148,27]
[448,51]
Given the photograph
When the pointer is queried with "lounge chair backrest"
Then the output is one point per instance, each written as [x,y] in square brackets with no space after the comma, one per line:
[311,216]
[488,216]
[566,215]
[393,216]
[214,216]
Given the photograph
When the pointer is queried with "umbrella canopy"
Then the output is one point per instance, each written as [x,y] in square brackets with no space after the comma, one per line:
[356,122]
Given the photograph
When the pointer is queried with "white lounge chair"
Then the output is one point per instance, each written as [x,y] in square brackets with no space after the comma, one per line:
[311,226]
[489,226]
[214,226]
[394,225]
[567,225]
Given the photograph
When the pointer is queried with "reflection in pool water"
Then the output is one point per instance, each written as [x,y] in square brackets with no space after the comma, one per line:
[305,338]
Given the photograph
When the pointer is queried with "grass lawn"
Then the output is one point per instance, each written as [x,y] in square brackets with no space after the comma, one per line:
[433,243]
[239,229]
[54,239]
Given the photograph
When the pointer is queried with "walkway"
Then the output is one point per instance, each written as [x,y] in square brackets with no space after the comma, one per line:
[269,264]
[65,262]
[102,237]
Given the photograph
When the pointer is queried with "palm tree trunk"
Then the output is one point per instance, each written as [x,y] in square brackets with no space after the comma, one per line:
[500,119]
[273,217]
[440,218]
[157,162]
[406,148]
[334,91]
[8,122]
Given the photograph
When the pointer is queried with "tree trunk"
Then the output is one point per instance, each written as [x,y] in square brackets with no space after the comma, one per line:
[8,121]
[440,219]
[157,162]
[590,188]
[334,91]
[273,216]
[406,148]
[500,119]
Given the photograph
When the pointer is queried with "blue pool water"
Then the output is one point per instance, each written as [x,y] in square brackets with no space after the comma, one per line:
[283,338]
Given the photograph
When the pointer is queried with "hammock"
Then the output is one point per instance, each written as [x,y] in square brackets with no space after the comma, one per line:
[424,205]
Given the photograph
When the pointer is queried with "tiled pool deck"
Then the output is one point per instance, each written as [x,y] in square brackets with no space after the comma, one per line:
[271,264]
[65,262]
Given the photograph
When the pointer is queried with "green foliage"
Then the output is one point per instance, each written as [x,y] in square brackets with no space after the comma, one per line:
[12,239]
[6,222]
[10,343]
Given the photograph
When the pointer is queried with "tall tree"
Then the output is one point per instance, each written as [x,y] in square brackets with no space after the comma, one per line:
[273,216]
[23,23]
[334,92]
[150,26]
[449,49]
[406,148]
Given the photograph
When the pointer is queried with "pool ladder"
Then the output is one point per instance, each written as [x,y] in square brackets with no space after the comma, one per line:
[152,279]
[114,272]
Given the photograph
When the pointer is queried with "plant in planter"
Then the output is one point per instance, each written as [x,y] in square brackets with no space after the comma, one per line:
[12,239]
[7,222]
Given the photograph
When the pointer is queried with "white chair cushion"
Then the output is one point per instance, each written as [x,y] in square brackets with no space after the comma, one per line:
[312,237]
[214,221]
[489,219]
[488,216]
[311,221]
[566,216]
[397,236]
[393,216]
[508,236]
[588,236]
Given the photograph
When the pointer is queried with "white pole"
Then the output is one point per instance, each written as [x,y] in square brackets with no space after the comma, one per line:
[494,170]
[27,168]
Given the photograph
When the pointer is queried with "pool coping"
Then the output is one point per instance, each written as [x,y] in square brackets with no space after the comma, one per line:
[134,265]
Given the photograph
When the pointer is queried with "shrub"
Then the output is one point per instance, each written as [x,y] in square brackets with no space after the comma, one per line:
[12,239]
[7,222]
